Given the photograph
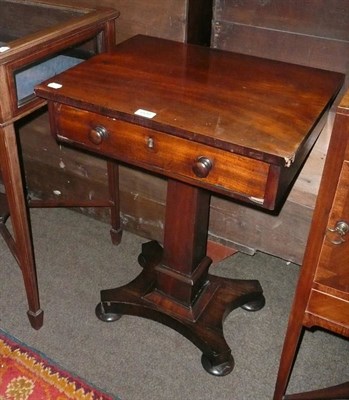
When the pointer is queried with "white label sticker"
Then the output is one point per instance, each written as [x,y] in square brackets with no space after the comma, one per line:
[3,49]
[145,113]
[54,85]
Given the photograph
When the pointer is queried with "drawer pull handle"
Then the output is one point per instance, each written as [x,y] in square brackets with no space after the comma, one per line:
[202,167]
[98,134]
[341,228]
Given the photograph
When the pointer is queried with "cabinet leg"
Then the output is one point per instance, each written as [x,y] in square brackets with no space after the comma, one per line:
[22,244]
[288,356]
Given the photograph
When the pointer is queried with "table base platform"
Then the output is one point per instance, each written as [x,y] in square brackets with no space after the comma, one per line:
[201,322]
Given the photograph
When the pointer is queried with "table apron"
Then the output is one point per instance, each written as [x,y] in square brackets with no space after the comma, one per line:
[172,156]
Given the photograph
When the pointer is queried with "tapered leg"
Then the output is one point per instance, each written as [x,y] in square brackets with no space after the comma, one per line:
[23,248]
[175,288]
[294,332]
[288,357]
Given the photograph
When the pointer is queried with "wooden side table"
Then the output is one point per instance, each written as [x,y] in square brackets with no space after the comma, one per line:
[322,294]
[47,35]
[209,121]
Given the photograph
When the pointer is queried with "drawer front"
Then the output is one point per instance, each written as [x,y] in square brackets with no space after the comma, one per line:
[163,153]
[333,312]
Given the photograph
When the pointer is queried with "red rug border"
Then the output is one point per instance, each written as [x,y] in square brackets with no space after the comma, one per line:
[39,356]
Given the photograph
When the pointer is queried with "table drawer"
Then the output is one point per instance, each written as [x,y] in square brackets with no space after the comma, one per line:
[330,310]
[175,157]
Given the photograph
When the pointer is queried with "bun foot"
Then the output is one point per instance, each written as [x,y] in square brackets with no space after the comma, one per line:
[106,316]
[221,369]
[255,305]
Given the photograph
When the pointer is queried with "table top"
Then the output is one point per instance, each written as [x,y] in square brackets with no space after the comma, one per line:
[34,17]
[256,107]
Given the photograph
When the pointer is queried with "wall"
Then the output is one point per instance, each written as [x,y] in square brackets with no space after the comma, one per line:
[162,18]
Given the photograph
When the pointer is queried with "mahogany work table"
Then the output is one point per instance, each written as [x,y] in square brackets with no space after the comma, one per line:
[209,121]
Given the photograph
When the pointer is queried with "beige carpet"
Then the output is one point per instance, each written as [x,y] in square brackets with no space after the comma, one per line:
[138,359]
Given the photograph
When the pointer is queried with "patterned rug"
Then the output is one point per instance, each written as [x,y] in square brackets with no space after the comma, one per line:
[26,374]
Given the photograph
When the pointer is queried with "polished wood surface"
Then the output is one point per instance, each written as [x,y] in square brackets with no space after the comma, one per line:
[322,294]
[231,172]
[28,44]
[188,87]
[221,122]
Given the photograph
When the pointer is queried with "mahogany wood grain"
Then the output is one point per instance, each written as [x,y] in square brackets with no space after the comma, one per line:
[230,172]
[263,97]
[222,122]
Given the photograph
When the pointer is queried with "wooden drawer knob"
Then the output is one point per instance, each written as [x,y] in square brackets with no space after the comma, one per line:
[202,167]
[97,134]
